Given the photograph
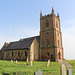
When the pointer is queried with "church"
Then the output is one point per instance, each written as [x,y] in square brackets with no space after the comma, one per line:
[46,46]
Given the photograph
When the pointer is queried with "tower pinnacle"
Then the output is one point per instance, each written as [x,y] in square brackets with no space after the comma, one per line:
[52,10]
[58,15]
[40,14]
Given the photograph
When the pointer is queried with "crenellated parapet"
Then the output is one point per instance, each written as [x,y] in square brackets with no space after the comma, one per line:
[49,15]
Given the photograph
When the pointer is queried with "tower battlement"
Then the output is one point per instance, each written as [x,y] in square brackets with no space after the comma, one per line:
[49,15]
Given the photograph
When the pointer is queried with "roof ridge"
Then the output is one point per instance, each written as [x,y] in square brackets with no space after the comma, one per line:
[28,38]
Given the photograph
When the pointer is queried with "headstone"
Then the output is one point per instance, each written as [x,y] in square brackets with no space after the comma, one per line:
[48,63]
[16,61]
[38,72]
[31,63]
[69,72]
[63,70]
[11,61]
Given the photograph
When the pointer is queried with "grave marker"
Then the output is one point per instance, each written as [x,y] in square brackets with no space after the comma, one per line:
[63,70]
[31,63]
[48,63]
[69,72]
[16,61]
[11,61]
[38,72]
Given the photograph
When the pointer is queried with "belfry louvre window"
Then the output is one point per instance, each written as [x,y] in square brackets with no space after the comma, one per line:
[48,43]
[47,23]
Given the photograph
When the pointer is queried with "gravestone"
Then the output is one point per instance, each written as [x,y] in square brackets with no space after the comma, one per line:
[11,61]
[38,72]
[48,63]
[69,72]
[63,70]
[16,61]
[31,63]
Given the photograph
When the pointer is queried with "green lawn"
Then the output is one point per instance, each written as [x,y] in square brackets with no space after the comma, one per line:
[23,69]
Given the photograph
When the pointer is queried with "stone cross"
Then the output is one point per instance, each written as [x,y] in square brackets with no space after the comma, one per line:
[38,72]
[63,70]
[31,63]
[48,63]
[16,61]
[69,72]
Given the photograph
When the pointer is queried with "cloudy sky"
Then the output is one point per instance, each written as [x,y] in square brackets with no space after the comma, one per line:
[21,18]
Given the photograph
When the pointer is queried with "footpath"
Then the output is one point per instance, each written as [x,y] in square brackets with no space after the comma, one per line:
[65,63]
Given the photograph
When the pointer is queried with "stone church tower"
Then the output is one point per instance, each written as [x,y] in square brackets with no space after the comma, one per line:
[50,37]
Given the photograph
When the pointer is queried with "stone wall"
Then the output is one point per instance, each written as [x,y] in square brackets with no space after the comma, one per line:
[15,54]
[34,50]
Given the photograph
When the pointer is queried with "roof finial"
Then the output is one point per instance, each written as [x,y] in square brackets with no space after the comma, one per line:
[52,10]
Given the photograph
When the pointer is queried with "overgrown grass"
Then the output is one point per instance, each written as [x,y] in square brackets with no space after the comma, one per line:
[23,69]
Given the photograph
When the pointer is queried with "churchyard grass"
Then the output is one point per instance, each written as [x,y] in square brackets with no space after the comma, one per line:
[24,68]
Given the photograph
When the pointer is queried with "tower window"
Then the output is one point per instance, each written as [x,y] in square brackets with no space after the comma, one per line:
[56,24]
[47,23]
[58,34]
[58,43]
[47,34]
[48,43]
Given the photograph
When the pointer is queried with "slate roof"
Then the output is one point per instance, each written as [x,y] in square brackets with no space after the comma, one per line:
[22,43]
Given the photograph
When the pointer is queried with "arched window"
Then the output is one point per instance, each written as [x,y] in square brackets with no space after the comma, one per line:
[48,54]
[47,34]
[18,54]
[48,43]
[12,54]
[47,23]
[56,24]
[25,53]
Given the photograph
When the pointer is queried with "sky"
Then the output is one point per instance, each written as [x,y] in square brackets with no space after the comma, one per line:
[21,19]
